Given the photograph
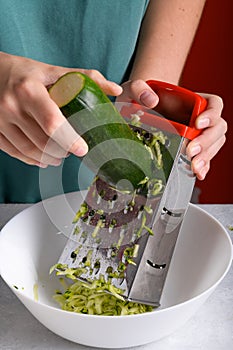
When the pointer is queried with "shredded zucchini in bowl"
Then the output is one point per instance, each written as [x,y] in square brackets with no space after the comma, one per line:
[93,299]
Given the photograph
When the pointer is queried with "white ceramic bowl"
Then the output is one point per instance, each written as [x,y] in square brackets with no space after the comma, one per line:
[30,245]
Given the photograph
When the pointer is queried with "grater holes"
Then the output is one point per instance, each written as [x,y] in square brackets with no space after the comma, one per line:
[156,266]
[109,270]
[84,259]
[121,281]
[96,267]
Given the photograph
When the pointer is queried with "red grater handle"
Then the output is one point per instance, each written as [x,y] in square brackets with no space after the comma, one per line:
[178,109]
[181,106]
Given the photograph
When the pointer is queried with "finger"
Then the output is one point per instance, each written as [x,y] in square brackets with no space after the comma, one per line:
[211,151]
[7,147]
[33,132]
[109,87]
[201,162]
[39,105]
[139,91]
[24,145]
[211,115]
[207,138]
[203,168]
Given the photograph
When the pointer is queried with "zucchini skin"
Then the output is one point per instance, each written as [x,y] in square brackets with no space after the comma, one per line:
[115,152]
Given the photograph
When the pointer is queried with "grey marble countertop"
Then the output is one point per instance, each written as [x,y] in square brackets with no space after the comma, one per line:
[210,329]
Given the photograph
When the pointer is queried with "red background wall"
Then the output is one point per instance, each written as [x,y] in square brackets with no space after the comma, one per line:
[209,68]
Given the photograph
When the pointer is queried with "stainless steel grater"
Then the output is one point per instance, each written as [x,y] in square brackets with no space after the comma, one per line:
[128,237]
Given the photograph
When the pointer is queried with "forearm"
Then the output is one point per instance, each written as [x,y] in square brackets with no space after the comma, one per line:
[165,39]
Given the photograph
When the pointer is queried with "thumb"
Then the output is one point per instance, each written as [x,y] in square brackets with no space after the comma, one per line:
[140,92]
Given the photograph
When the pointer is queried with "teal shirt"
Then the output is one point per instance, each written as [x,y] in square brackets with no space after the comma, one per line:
[92,34]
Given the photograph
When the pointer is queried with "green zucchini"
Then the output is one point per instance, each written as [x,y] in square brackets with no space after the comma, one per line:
[115,152]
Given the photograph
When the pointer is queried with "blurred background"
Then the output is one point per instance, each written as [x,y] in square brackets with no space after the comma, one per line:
[209,69]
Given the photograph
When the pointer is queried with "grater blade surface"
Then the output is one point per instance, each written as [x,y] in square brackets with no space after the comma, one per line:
[129,237]
[117,233]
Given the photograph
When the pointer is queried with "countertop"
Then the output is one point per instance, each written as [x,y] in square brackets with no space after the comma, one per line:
[211,328]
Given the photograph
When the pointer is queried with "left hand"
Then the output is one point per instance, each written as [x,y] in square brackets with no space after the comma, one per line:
[205,146]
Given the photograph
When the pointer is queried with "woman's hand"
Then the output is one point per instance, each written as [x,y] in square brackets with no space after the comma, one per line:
[204,147]
[32,127]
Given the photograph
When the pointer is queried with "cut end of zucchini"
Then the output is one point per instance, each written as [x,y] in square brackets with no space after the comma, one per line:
[67,88]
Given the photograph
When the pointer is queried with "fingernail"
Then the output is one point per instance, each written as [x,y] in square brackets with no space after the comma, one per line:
[81,150]
[202,174]
[148,98]
[199,165]
[42,165]
[195,150]
[118,89]
[57,162]
[203,123]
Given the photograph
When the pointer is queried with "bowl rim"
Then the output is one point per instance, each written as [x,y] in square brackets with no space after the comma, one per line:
[21,294]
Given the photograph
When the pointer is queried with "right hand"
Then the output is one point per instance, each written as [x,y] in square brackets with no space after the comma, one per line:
[32,127]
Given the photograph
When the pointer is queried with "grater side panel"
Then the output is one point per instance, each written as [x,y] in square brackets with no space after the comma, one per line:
[152,271]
